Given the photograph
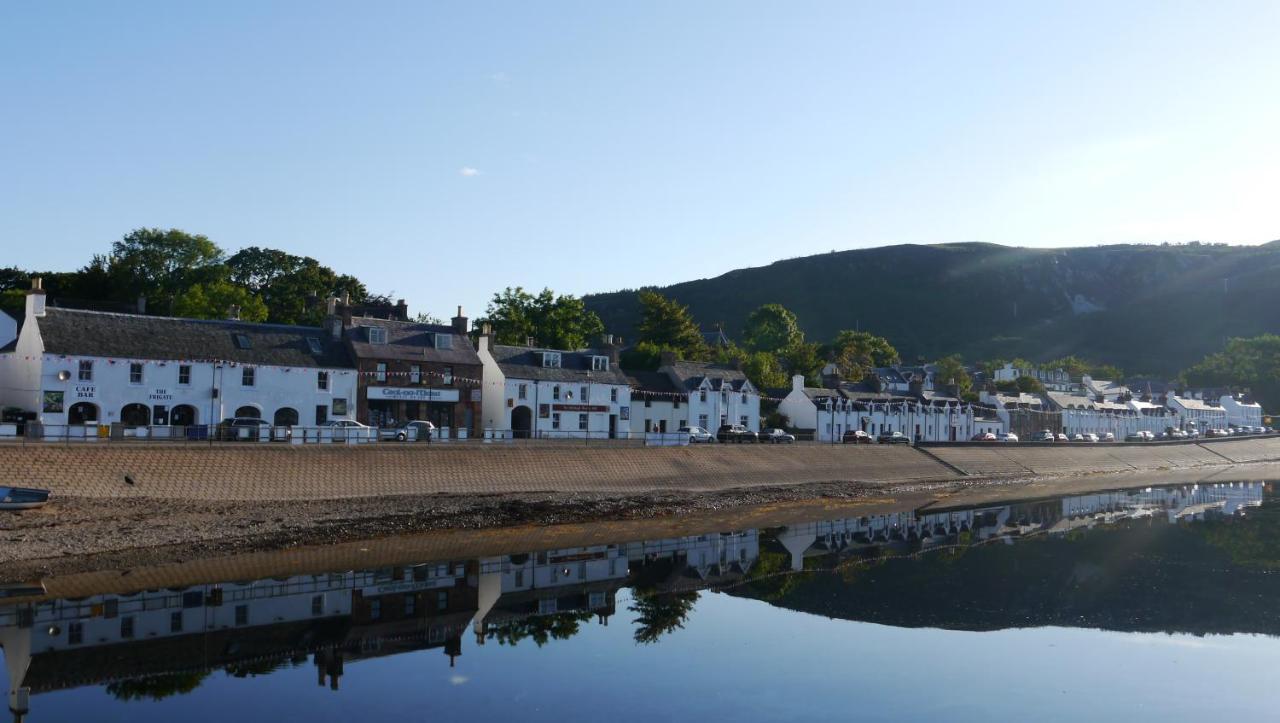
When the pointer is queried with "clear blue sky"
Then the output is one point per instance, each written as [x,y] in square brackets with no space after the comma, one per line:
[442,151]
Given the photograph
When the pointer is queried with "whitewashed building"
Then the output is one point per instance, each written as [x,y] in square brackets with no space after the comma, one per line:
[1203,414]
[553,393]
[1241,412]
[829,413]
[1082,414]
[75,370]
[687,393]
[1053,379]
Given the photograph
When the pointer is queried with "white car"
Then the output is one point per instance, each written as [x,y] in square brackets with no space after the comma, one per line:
[1008,437]
[697,435]
[1091,437]
[1109,437]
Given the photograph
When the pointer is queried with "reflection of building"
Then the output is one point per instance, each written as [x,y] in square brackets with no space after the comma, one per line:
[84,368]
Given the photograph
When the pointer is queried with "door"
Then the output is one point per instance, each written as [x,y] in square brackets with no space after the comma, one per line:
[613,426]
[521,422]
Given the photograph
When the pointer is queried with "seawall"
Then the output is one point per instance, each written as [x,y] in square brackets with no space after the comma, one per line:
[269,472]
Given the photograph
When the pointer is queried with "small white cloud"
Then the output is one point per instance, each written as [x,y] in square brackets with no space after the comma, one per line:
[500,78]
[468,171]
[458,679]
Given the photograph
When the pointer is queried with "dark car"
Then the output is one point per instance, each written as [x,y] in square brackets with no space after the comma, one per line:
[893,438]
[856,436]
[735,433]
[418,429]
[231,427]
[777,436]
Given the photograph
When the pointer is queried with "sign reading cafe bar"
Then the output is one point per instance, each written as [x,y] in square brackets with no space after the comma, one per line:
[413,394]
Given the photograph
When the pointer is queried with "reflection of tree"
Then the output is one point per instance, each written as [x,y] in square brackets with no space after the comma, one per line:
[257,667]
[661,614]
[540,628]
[156,687]
[771,578]
[1253,540]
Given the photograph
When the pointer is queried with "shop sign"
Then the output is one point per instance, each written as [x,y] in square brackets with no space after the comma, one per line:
[85,391]
[580,407]
[160,394]
[413,394]
[53,402]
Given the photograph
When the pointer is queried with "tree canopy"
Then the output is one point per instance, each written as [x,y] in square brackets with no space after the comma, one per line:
[858,352]
[666,324]
[950,370]
[1251,364]
[553,321]
[771,328]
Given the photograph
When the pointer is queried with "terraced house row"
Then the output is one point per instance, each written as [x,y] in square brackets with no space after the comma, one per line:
[82,374]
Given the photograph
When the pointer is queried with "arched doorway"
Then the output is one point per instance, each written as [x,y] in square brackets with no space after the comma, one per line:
[82,413]
[521,422]
[135,415]
[249,412]
[286,417]
[183,415]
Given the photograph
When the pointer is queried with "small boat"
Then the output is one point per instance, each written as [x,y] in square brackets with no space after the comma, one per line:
[22,498]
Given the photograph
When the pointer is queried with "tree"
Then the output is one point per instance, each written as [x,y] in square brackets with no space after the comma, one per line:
[666,323]
[1028,385]
[160,264]
[215,299]
[556,322]
[950,370]
[1107,371]
[1252,364]
[858,352]
[803,359]
[771,328]
[762,368]
[659,614]
[292,287]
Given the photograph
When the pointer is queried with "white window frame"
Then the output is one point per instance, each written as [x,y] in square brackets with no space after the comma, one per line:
[599,363]
[522,391]
[555,420]
[248,376]
[184,369]
[135,367]
[377,335]
[444,341]
[322,380]
[84,371]
[551,359]
[415,373]
[380,372]
[584,422]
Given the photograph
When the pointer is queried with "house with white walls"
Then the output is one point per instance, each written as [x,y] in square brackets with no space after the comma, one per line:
[1241,412]
[532,392]
[1201,413]
[697,394]
[829,413]
[75,371]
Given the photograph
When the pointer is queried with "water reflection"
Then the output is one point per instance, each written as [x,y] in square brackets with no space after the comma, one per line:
[964,567]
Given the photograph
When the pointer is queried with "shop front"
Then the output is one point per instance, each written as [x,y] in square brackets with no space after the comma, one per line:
[393,406]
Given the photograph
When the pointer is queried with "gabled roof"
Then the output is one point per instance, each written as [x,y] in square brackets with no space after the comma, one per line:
[522,362]
[690,375]
[652,382]
[409,340]
[130,336]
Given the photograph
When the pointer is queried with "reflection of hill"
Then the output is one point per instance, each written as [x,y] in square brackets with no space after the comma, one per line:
[1142,575]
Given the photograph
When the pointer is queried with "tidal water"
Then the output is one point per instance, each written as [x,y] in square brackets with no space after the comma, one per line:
[1156,603]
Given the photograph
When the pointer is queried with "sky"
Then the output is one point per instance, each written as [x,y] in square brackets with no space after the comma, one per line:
[441,151]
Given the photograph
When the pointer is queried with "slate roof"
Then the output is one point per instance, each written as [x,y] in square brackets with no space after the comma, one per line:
[690,374]
[410,341]
[1200,404]
[130,336]
[522,362]
[655,382]
[1063,400]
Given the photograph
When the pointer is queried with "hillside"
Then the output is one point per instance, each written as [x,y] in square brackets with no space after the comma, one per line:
[1148,309]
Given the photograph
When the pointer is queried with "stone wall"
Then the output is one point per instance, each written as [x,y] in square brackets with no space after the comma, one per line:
[1045,459]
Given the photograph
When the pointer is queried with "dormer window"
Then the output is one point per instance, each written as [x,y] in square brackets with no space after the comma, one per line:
[242,341]
[314,345]
[377,334]
[551,359]
[444,341]
[599,363]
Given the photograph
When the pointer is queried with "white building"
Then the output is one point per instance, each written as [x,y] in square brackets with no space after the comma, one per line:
[699,394]
[8,329]
[1204,415]
[1054,379]
[1241,413]
[923,417]
[1110,391]
[75,370]
[1082,414]
[553,393]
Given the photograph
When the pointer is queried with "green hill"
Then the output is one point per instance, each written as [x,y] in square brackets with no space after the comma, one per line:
[1148,309]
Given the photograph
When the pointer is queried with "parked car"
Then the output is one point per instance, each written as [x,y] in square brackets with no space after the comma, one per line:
[424,430]
[893,438]
[1077,437]
[1007,437]
[736,433]
[856,436]
[231,427]
[346,424]
[1044,435]
[983,437]
[1063,438]
[777,436]
[697,435]
[1091,438]
[1109,437]
[348,428]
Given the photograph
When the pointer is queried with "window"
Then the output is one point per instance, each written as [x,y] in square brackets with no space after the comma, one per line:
[242,341]
[584,394]
[375,609]
[184,374]
[555,420]
[519,581]
[522,391]
[410,604]
[448,375]
[444,341]
[322,414]
[314,345]
[86,371]
[135,373]
[648,402]
[676,404]
[582,422]
[555,392]
[442,600]
[75,633]
[175,621]
[247,376]
[551,359]
[600,363]
[317,604]
[377,335]
[702,421]
[126,627]
[744,420]
[381,373]
[415,373]
[744,397]
[322,381]
[242,615]
[702,395]
[613,394]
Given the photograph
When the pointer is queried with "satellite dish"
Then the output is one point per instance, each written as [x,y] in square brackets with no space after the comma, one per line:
[64,375]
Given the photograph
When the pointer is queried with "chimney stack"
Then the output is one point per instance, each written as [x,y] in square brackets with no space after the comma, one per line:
[873,381]
[36,297]
[401,312]
[459,323]
[233,313]
[486,335]
[915,387]
[666,359]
